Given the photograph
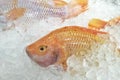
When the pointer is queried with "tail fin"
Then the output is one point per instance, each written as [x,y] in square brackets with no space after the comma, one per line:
[75,7]
[82,3]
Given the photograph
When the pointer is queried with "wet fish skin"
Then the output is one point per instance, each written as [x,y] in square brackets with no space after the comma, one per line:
[37,10]
[57,46]
[40,9]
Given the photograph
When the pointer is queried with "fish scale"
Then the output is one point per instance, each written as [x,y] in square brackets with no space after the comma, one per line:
[42,9]
[37,10]
[5,5]
[56,47]
[78,40]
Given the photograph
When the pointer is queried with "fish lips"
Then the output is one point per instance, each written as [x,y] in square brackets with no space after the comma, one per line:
[44,60]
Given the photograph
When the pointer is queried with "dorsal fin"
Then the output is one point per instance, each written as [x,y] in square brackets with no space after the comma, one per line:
[96,24]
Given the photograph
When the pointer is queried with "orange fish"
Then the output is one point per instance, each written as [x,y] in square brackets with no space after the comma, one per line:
[57,46]
[12,10]
[100,24]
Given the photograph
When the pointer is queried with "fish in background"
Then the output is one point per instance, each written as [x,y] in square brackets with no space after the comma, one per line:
[12,10]
[98,24]
[56,47]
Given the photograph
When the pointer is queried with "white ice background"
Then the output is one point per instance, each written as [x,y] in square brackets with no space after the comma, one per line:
[103,64]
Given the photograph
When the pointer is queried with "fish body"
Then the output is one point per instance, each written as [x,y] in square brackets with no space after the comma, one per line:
[40,9]
[57,46]
[98,24]
[14,9]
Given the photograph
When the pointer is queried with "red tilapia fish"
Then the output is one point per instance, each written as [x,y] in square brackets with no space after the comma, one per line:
[98,24]
[57,46]
[11,10]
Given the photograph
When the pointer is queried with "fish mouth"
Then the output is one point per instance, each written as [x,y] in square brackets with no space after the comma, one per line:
[45,60]
[28,52]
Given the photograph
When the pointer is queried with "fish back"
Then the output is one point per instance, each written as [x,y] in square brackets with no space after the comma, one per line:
[77,40]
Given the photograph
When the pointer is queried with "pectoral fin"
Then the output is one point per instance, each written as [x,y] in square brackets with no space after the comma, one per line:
[15,13]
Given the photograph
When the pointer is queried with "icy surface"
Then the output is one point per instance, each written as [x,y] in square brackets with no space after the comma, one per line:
[101,64]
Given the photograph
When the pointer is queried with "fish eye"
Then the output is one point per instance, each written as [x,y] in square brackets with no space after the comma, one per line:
[42,48]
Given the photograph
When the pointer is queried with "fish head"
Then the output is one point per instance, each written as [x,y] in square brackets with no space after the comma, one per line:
[45,52]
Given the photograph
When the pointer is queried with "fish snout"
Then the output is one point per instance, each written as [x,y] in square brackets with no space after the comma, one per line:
[28,51]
